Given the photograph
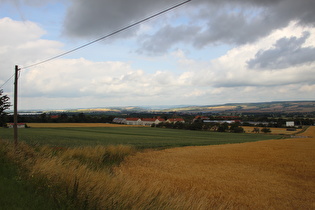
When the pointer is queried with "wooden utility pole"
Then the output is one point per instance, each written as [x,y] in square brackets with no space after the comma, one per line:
[15,127]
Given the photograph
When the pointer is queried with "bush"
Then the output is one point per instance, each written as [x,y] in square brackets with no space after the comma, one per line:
[266,130]
[237,129]
[223,127]
[256,130]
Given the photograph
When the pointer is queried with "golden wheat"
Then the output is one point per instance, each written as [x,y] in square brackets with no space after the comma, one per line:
[275,174]
[277,131]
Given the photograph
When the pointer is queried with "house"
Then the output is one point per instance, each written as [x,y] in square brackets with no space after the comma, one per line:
[119,120]
[19,125]
[202,118]
[159,120]
[133,121]
[54,116]
[138,121]
[289,124]
[220,121]
[174,120]
[228,117]
[149,121]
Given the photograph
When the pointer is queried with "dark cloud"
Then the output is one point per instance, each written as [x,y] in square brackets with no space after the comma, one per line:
[209,21]
[287,52]
[166,37]
[95,18]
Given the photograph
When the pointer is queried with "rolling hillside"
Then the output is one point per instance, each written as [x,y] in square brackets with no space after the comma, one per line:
[263,107]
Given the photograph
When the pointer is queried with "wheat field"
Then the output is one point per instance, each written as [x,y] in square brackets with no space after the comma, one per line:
[270,174]
[276,131]
[273,174]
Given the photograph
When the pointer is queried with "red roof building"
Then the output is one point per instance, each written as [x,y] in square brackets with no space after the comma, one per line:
[174,120]
[19,125]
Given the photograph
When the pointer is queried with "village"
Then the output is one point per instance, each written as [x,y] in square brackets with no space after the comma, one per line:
[202,119]
[146,121]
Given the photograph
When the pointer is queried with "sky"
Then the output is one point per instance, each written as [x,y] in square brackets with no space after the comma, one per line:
[205,52]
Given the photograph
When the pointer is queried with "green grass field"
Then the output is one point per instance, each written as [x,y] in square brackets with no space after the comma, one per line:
[140,137]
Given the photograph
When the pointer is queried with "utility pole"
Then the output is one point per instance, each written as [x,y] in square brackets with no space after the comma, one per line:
[15,106]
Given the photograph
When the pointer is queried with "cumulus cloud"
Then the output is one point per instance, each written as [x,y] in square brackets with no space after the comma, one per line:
[287,52]
[232,69]
[118,82]
[263,63]
[21,44]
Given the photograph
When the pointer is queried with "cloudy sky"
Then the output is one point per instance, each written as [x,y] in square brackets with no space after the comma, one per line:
[204,52]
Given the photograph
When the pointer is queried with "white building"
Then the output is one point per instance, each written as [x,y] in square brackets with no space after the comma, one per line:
[133,121]
[289,124]
[19,125]
[119,120]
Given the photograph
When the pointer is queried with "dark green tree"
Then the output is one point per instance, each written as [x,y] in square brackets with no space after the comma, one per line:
[4,105]
[256,130]
[235,128]
[266,130]
[223,127]
[43,118]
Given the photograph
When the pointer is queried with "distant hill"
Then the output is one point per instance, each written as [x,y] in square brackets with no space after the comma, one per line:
[263,107]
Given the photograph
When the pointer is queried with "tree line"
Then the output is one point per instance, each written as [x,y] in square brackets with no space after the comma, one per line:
[201,126]
[217,127]
[64,118]
[273,119]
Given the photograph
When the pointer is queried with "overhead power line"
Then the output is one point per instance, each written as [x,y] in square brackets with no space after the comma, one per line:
[108,35]
[7,81]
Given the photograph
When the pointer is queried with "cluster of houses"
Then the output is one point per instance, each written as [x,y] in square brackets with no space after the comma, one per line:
[234,119]
[18,125]
[146,121]
[224,119]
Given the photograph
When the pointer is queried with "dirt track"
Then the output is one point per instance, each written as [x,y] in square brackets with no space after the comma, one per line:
[274,174]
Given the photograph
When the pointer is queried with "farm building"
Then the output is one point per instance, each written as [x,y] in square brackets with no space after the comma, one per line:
[198,117]
[221,121]
[119,120]
[174,120]
[19,125]
[258,123]
[132,121]
[138,121]
[289,124]
[160,120]
[148,121]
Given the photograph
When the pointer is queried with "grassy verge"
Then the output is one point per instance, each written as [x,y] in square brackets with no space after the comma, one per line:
[18,193]
[72,178]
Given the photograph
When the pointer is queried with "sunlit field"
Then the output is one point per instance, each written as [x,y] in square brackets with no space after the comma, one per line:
[256,174]
[276,174]
[276,131]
